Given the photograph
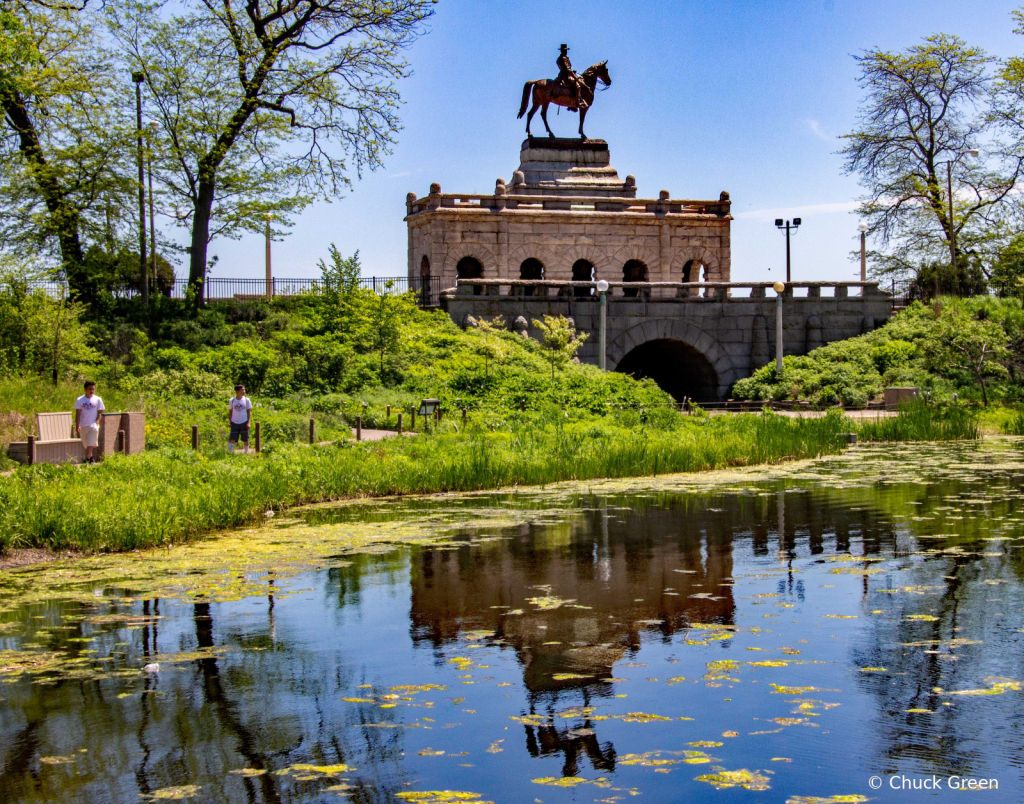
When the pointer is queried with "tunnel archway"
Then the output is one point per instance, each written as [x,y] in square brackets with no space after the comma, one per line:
[675,366]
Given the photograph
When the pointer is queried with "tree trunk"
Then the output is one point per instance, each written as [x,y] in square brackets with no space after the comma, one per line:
[201,212]
[64,216]
[984,393]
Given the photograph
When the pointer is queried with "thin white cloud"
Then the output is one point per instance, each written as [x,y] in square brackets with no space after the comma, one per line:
[789,212]
[815,128]
[399,175]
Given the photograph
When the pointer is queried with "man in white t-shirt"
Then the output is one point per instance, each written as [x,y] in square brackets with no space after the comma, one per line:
[239,414]
[87,419]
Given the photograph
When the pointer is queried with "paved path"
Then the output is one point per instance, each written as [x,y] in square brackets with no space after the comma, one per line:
[378,435]
[817,414]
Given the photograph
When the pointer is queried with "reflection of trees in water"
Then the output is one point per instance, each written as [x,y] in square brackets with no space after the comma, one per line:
[969,737]
[266,708]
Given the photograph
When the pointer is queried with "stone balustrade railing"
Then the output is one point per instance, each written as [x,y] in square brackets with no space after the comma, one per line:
[651,206]
[683,290]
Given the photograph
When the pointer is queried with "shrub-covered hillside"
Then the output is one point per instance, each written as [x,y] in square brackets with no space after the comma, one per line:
[323,354]
[974,347]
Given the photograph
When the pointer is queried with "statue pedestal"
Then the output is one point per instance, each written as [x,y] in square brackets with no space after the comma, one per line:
[569,167]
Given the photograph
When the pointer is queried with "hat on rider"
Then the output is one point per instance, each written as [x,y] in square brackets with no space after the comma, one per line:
[563,48]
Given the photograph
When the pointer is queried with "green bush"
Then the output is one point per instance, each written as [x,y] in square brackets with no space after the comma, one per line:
[913,348]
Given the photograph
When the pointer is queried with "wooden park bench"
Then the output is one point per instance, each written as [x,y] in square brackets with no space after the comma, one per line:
[56,445]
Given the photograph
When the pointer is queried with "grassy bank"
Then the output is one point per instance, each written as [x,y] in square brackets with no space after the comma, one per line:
[172,495]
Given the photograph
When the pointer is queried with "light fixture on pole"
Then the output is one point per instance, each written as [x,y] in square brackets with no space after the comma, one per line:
[863,229]
[153,128]
[952,223]
[270,275]
[602,292]
[787,226]
[779,289]
[138,78]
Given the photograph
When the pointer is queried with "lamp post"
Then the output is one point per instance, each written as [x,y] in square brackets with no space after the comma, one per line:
[602,292]
[952,228]
[863,229]
[787,226]
[153,128]
[270,276]
[138,78]
[779,288]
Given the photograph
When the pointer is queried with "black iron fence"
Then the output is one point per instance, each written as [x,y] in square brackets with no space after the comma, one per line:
[426,289]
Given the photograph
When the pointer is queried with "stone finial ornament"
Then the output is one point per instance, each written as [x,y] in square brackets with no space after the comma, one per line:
[435,188]
[663,195]
[724,196]
[520,325]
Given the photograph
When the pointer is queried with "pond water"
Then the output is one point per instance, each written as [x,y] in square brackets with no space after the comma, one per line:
[778,635]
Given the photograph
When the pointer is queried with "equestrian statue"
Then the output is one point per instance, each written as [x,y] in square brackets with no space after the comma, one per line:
[574,92]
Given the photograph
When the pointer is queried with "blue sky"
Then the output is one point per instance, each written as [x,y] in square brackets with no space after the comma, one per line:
[748,97]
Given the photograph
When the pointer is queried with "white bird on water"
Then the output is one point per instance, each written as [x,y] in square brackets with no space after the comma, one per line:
[152,667]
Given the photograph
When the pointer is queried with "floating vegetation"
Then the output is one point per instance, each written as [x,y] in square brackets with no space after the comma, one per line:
[996,687]
[724,779]
[176,793]
[442,797]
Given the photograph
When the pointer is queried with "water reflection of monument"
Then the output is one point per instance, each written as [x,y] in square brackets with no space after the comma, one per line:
[574,598]
[587,589]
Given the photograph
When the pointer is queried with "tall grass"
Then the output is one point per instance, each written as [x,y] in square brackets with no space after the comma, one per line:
[918,421]
[171,495]
[1015,426]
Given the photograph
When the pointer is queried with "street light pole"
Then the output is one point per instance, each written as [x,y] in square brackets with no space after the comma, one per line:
[863,252]
[602,292]
[952,229]
[153,126]
[787,227]
[952,223]
[778,287]
[138,78]
[270,275]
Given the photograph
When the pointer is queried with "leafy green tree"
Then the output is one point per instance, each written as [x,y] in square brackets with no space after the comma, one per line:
[1008,270]
[340,279]
[63,136]
[923,111]
[560,338]
[268,105]
[961,342]
[384,320]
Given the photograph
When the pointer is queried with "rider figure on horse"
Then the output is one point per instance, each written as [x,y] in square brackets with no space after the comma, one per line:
[567,77]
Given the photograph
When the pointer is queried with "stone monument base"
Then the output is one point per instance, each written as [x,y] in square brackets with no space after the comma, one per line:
[561,166]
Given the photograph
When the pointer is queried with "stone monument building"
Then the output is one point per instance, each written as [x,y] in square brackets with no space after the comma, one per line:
[567,215]
[673,312]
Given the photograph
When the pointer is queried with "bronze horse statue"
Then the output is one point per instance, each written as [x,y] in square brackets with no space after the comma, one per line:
[547,91]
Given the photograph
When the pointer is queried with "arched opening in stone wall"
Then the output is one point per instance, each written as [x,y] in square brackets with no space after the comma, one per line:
[583,271]
[470,268]
[675,366]
[531,268]
[633,271]
[425,280]
[693,271]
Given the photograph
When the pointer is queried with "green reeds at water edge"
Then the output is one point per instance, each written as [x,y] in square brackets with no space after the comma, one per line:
[918,421]
[172,495]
